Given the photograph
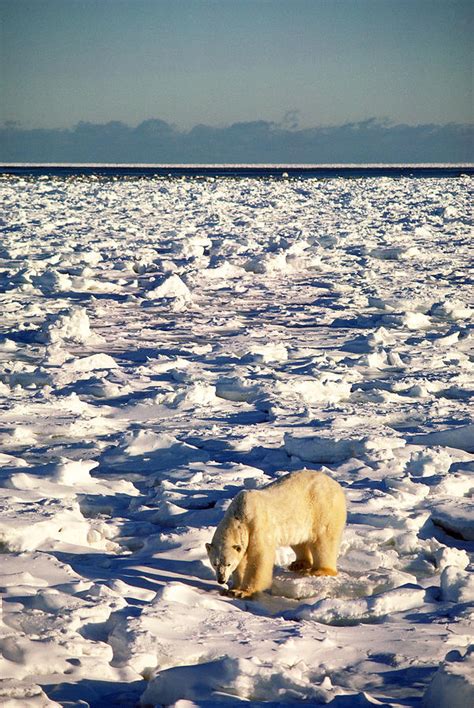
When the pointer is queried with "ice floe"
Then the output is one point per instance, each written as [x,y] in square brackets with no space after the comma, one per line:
[165,343]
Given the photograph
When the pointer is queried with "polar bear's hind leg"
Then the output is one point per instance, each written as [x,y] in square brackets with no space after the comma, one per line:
[304,558]
[325,551]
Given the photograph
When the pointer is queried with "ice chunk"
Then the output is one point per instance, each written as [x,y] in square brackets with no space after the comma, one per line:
[457,585]
[318,448]
[323,389]
[382,359]
[74,472]
[146,450]
[17,694]
[199,393]
[398,253]
[461,438]
[235,389]
[224,271]
[456,517]
[171,287]
[247,679]
[453,683]
[267,263]
[268,353]
[427,462]
[445,556]
[71,326]
[415,321]
[143,441]
[452,310]
[93,362]
[346,612]
[53,281]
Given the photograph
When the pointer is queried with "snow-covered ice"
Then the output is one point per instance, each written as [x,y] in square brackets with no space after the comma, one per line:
[165,343]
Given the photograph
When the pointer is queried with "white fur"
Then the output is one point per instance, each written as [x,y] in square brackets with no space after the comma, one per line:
[305,510]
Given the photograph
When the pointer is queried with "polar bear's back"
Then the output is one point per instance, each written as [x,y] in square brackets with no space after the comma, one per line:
[298,506]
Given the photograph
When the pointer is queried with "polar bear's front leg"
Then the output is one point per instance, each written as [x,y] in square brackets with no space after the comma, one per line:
[238,575]
[259,571]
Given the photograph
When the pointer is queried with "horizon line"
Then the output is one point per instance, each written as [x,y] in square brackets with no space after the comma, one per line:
[236,165]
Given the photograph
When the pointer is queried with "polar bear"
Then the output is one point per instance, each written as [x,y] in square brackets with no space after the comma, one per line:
[305,510]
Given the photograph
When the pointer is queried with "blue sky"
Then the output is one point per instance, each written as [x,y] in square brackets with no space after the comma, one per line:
[223,61]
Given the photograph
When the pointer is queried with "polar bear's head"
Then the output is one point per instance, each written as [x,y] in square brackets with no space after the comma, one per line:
[224,558]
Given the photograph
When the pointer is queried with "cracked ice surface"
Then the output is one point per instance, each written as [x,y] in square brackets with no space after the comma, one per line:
[165,343]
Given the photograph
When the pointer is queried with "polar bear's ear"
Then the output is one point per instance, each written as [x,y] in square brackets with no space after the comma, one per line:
[237,548]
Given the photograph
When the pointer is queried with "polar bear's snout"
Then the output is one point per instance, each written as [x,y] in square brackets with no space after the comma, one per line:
[221,577]
[224,571]
[224,560]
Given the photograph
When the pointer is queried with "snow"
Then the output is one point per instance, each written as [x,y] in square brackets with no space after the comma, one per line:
[457,585]
[171,287]
[453,683]
[165,343]
[461,438]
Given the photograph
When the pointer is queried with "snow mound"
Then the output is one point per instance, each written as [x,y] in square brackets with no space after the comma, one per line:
[237,390]
[453,683]
[25,527]
[267,263]
[245,679]
[224,271]
[268,353]
[53,281]
[70,326]
[382,359]
[318,448]
[92,363]
[451,310]
[398,253]
[323,389]
[148,451]
[321,448]
[457,585]
[18,694]
[72,472]
[415,321]
[335,611]
[198,393]
[461,438]
[171,287]
[456,517]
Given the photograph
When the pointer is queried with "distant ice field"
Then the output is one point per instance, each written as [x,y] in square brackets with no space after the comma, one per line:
[276,171]
[166,342]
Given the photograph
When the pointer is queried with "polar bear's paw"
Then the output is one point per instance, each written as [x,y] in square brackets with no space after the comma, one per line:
[320,571]
[299,566]
[240,594]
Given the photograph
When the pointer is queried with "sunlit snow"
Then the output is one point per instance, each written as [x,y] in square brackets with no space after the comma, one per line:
[167,342]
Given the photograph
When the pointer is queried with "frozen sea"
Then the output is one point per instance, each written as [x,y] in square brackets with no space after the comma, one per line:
[166,342]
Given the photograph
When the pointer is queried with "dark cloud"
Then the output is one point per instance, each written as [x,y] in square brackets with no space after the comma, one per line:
[155,141]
